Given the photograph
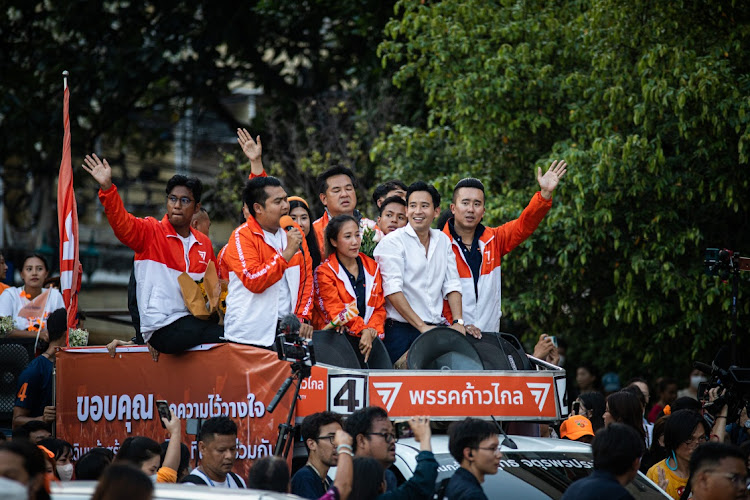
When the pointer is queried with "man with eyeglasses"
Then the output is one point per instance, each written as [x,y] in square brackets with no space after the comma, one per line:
[318,432]
[374,436]
[717,472]
[474,444]
[163,251]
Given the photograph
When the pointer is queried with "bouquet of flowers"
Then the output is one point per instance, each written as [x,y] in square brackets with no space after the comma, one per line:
[78,337]
[7,325]
[368,242]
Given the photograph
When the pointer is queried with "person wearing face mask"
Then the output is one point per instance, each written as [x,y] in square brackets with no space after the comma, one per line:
[24,463]
[62,454]
[348,276]
[691,391]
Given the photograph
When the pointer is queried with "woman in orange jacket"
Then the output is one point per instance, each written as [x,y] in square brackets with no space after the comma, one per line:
[348,276]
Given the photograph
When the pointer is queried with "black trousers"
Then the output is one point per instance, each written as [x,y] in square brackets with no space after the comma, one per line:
[185,333]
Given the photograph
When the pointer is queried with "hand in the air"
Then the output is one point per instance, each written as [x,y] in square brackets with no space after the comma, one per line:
[548,182]
[99,170]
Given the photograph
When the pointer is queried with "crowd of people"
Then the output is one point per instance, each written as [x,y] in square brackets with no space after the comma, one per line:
[281,261]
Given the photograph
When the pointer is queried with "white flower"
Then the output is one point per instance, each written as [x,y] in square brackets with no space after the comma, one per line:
[78,337]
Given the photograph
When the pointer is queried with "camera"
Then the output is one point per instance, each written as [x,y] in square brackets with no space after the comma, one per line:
[734,385]
[290,346]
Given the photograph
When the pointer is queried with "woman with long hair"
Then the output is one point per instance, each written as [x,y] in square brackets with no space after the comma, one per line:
[349,278]
[625,408]
[592,406]
[300,212]
[30,304]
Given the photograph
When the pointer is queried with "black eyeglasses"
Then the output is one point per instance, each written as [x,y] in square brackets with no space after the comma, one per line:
[184,200]
[388,436]
[328,438]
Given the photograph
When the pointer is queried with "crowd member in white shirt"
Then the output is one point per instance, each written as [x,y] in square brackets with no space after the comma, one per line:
[419,271]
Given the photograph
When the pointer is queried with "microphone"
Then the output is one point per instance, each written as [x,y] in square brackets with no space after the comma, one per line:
[286,222]
[289,325]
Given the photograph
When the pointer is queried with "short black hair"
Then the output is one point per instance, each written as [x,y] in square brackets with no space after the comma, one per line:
[255,191]
[468,433]
[595,402]
[423,186]
[334,228]
[710,454]
[35,256]
[137,450]
[665,382]
[385,188]
[635,391]
[194,184]
[443,218]
[57,324]
[680,426]
[24,432]
[322,179]
[269,474]
[685,403]
[122,481]
[469,182]
[310,428]
[616,447]
[223,426]
[91,465]
[34,461]
[360,422]
[391,199]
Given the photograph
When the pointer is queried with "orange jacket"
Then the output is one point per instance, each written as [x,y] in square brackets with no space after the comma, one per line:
[481,308]
[333,291]
[255,268]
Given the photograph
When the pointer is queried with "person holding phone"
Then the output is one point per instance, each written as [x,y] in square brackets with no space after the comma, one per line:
[349,276]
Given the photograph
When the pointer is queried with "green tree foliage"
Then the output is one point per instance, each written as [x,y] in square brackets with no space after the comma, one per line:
[649,106]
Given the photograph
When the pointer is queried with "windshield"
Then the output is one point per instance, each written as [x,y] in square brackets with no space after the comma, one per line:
[530,475]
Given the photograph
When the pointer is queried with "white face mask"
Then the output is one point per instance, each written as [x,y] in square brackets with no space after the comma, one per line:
[65,472]
[695,380]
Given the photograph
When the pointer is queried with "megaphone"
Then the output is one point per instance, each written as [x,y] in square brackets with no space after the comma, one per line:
[500,351]
[333,348]
[443,348]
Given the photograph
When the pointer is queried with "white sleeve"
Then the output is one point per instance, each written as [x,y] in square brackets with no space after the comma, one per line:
[390,258]
[7,308]
[451,282]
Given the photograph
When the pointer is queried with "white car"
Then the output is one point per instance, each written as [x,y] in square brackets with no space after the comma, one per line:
[539,468]
[83,490]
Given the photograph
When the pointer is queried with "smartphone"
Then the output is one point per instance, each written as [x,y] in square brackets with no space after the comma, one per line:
[576,407]
[554,340]
[162,408]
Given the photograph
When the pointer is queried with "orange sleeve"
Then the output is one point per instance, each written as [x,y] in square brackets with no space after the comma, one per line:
[166,475]
[221,265]
[377,301]
[305,299]
[129,229]
[328,300]
[256,269]
[513,233]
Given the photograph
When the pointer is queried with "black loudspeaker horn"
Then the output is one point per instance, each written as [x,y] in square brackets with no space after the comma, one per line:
[443,348]
[334,349]
[379,358]
[500,351]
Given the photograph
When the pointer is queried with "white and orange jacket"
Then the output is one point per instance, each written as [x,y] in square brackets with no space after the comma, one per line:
[255,270]
[159,260]
[481,308]
[333,291]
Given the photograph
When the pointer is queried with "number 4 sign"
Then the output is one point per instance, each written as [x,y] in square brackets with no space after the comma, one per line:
[346,393]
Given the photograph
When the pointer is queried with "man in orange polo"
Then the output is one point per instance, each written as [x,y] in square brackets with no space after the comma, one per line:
[479,249]
[270,269]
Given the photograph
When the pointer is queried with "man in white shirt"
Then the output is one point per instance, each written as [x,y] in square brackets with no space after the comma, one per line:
[419,271]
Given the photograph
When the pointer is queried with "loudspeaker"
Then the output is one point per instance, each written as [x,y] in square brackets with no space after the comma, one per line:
[500,351]
[334,349]
[379,358]
[443,348]
[15,355]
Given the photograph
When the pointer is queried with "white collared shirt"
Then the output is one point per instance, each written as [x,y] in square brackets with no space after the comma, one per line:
[278,241]
[424,279]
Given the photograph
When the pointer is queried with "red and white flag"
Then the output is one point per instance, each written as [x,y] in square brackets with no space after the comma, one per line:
[67,222]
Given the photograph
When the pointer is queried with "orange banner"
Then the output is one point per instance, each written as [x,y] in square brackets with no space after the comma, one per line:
[101,401]
[523,396]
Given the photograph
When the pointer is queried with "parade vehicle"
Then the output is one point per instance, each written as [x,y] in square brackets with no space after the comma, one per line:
[537,469]
[83,490]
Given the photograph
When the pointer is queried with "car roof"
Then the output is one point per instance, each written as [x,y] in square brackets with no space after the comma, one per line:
[524,443]
[167,491]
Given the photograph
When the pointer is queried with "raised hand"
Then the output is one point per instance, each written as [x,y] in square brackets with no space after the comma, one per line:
[548,182]
[99,170]
[253,149]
